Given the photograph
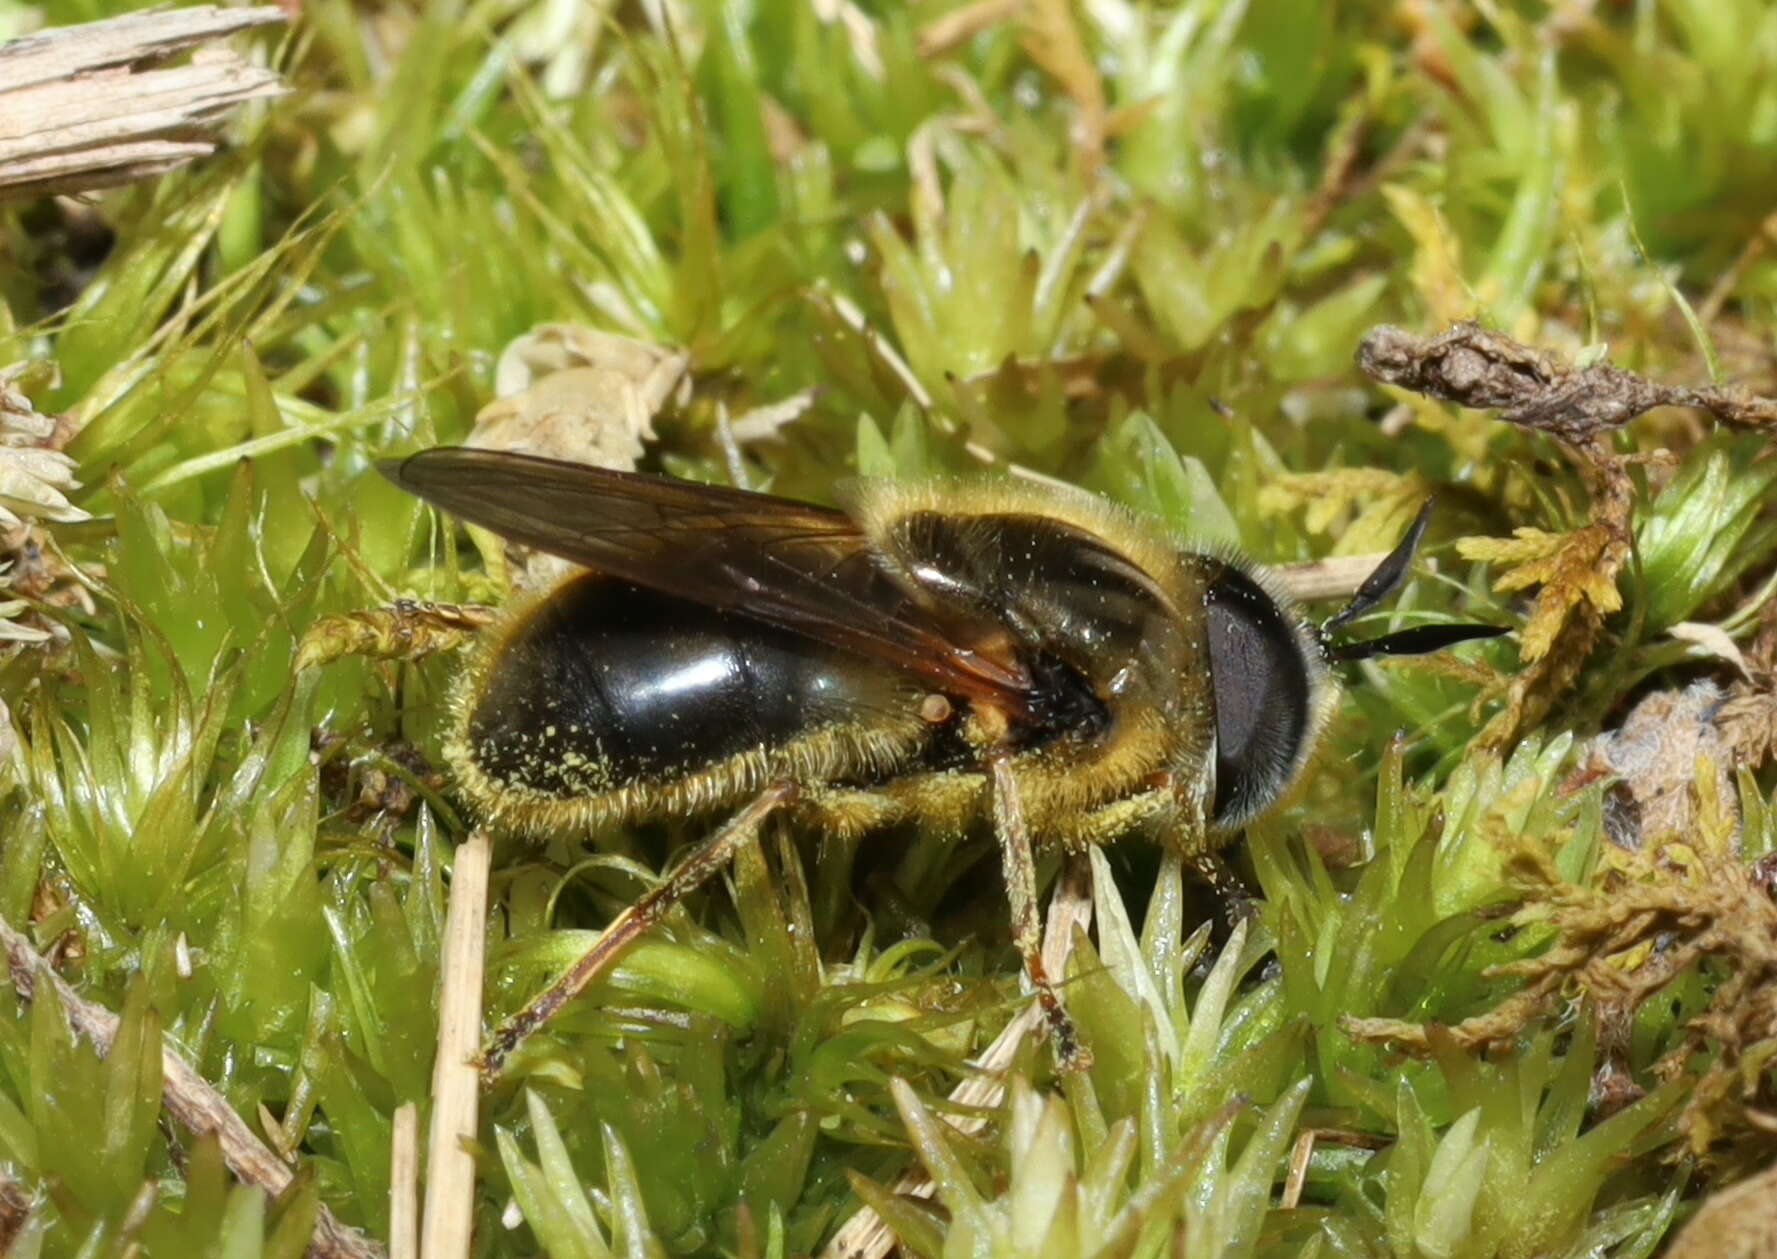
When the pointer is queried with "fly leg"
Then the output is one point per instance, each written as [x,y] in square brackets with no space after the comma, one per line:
[1027,928]
[705,862]
[1190,838]
[1232,893]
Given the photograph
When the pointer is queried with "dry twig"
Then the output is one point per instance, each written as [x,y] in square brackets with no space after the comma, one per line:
[1476,367]
[456,1085]
[189,1098]
[404,1184]
[80,107]
[1334,577]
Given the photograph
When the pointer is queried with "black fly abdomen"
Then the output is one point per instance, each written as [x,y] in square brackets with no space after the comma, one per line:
[603,683]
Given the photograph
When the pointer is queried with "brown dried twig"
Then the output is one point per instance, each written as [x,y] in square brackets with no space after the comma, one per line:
[1476,367]
[189,1098]
[84,107]
[449,1211]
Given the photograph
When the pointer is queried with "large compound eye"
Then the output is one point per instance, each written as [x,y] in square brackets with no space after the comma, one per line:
[1264,680]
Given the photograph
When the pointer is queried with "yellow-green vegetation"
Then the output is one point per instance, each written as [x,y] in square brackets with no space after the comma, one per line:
[1125,245]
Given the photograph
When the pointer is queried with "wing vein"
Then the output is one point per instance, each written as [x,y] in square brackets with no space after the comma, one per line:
[803,568]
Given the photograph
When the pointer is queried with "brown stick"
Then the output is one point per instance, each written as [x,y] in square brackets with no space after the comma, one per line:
[188,1097]
[700,867]
[80,110]
[450,1167]
[1486,370]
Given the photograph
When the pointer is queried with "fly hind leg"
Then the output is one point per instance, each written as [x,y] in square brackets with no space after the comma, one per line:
[703,864]
[1027,928]
[1235,896]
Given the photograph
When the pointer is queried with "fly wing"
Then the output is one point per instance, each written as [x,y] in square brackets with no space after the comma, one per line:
[794,565]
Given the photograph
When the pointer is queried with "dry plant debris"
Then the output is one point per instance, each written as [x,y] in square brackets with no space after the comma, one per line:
[188,1097]
[1486,370]
[1655,755]
[80,107]
[566,391]
[1739,1222]
[1617,941]
[1575,573]
[448,1218]
[36,478]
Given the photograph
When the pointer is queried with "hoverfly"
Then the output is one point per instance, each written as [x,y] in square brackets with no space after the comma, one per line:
[932,654]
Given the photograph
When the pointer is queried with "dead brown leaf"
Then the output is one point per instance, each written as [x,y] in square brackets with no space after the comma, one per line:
[571,392]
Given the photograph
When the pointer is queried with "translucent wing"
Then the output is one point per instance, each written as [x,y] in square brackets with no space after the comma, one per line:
[794,565]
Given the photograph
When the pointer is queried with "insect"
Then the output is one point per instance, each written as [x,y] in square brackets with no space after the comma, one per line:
[934,654]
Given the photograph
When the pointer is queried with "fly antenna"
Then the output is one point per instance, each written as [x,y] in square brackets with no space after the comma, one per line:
[1382,582]
[1386,576]
[1418,641]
